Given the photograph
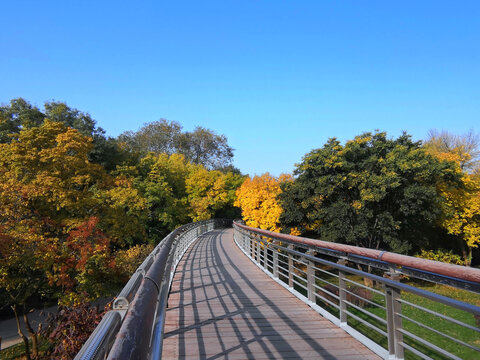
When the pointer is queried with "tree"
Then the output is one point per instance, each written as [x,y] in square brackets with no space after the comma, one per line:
[463,149]
[461,208]
[50,212]
[210,193]
[21,115]
[161,181]
[372,192]
[202,146]
[257,198]
[158,137]
[17,116]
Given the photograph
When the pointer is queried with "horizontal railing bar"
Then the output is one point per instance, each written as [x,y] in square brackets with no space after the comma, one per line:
[331,303]
[365,287]
[373,316]
[454,271]
[436,297]
[445,317]
[326,291]
[366,323]
[429,344]
[364,299]
[302,286]
[415,351]
[326,272]
[458,341]
[303,252]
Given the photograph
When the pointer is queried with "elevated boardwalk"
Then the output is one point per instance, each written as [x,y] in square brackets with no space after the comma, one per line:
[223,306]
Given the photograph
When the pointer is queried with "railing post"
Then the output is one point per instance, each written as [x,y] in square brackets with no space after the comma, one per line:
[342,294]
[265,255]
[311,277]
[275,261]
[290,267]
[394,320]
[257,243]
[253,245]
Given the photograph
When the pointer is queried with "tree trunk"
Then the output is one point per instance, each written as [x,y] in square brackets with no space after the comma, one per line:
[33,335]
[468,261]
[366,281]
[21,334]
[466,252]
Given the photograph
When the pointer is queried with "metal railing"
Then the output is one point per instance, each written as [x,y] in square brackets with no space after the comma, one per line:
[134,328]
[360,290]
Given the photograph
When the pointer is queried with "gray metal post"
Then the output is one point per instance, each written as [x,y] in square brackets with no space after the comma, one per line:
[342,294]
[275,262]
[311,278]
[257,242]
[290,267]
[265,256]
[394,321]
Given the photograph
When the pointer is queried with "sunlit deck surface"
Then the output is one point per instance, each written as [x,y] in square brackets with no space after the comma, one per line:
[222,306]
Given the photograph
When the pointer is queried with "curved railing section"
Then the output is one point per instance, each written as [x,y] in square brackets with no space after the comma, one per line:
[133,329]
[361,291]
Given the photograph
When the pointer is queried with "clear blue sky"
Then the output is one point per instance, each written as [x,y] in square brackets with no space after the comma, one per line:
[278,78]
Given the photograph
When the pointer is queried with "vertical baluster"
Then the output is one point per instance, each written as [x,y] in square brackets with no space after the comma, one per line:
[290,267]
[275,261]
[394,321]
[342,294]
[257,241]
[265,255]
[311,277]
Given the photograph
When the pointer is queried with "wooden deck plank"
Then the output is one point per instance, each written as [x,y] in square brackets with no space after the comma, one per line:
[222,306]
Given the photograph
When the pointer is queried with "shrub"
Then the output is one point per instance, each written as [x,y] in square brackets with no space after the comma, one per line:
[68,330]
[442,255]
[127,261]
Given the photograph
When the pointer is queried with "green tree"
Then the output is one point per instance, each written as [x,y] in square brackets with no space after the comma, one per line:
[373,192]
[21,115]
[18,115]
[201,146]
[161,181]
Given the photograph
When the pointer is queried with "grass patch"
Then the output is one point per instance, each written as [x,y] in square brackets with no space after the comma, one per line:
[17,352]
[420,321]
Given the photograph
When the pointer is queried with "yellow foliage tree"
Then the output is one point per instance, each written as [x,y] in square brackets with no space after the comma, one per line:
[461,206]
[257,198]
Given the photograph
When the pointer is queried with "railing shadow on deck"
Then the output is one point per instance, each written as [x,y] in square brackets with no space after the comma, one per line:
[223,284]
[324,275]
[393,319]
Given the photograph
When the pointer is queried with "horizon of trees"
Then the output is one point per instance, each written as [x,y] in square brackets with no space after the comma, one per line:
[79,210]
[79,207]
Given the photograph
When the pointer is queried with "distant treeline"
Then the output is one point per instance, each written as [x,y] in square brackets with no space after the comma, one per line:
[79,210]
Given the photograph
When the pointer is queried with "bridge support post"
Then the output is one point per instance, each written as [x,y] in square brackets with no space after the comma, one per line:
[257,242]
[342,294]
[251,246]
[311,278]
[275,262]
[394,320]
[265,255]
[290,267]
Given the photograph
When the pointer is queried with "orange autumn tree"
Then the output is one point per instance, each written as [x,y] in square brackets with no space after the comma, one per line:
[257,198]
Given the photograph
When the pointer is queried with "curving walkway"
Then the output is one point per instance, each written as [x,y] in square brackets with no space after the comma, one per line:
[222,306]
